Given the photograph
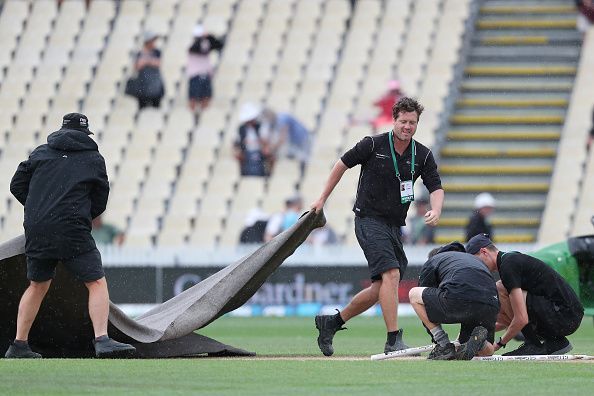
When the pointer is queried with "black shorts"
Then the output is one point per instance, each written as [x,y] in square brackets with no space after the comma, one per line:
[200,87]
[381,245]
[85,267]
[551,319]
[469,314]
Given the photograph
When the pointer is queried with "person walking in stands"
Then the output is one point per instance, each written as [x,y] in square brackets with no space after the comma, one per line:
[148,64]
[534,299]
[390,164]
[63,186]
[478,223]
[385,104]
[455,287]
[199,69]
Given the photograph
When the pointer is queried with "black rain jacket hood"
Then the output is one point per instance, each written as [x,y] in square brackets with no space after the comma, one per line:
[71,140]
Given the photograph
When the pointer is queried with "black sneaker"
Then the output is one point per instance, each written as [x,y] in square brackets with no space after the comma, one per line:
[558,347]
[105,347]
[446,352]
[528,348]
[398,344]
[21,352]
[327,326]
[475,343]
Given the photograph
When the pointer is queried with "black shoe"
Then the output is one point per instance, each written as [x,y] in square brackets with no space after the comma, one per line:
[558,347]
[475,343]
[21,352]
[327,326]
[105,347]
[446,352]
[398,344]
[528,348]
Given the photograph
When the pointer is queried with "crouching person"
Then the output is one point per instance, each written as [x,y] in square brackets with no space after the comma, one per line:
[455,287]
[534,299]
[63,186]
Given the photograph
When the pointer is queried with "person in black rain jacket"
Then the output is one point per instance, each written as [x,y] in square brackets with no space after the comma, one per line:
[63,186]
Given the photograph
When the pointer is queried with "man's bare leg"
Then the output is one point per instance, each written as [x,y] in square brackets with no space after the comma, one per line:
[416,300]
[98,305]
[362,301]
[29,307]
[388,298]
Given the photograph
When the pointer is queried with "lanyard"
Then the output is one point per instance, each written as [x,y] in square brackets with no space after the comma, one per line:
[412,164]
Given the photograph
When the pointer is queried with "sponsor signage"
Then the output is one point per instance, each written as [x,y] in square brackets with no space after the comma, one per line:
[288,286]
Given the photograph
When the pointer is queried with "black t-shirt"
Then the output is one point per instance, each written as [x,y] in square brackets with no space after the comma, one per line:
[518,270]
[378,192]
[461,276]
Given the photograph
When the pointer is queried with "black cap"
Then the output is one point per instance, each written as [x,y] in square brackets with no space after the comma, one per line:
[77,121]
[477,242]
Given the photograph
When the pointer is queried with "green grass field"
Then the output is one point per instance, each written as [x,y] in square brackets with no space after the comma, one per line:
[295,337]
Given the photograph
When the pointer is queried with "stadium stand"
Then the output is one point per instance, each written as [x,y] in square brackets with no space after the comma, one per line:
[504,132]
[174,180]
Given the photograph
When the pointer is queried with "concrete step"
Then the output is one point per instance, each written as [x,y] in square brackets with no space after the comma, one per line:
[463,205]
[532,37]
[502,152]
[524,70]
[493,162]
[447,235]
[496,221]
[525,53]
[502,23]
[463,182]
[501,134]
[542,85]
[509,201]
[530,9]
[495,170]
[509,187]
[517,97]
[514,103]
[503,119]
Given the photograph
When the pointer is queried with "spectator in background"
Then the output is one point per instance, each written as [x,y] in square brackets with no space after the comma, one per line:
[288,138]
[251,147]
[199,69]
[585,18]
[416,232]
[385,104]
[106,234]
[478,223]
[255,226]
[151,88]
[284,220]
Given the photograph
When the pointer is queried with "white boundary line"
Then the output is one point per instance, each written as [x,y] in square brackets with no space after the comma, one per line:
[533,357]
[402,353]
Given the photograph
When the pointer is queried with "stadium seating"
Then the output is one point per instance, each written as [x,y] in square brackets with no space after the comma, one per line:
[504,132]
[174,180]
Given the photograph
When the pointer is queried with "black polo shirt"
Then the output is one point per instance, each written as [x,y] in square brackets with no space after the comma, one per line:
[378,192]
[518,270]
